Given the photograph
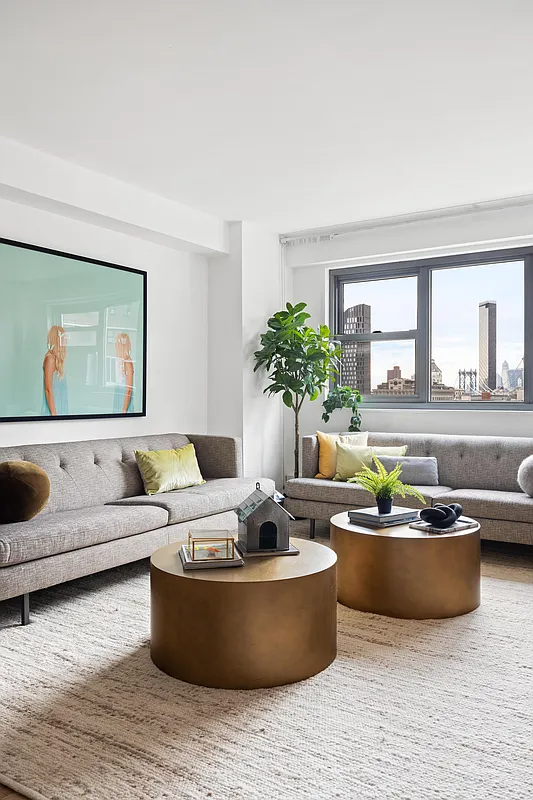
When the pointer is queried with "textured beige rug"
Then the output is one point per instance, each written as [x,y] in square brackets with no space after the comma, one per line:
[410,710]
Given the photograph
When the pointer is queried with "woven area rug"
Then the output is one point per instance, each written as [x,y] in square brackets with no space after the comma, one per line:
[409,710]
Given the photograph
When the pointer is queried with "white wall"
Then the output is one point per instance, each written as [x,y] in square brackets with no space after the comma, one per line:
[262,297]
[177,327]
[244,290]
[225,401]
[307,280]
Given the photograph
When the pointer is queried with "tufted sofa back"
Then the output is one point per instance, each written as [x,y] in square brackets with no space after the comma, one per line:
[464,462]
[91,473]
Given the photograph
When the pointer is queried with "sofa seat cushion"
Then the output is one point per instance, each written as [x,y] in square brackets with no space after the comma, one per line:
[213,497]
[64,531]
[489,504]
[350,494]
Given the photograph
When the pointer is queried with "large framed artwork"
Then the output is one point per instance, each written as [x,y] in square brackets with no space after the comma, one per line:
[73,336]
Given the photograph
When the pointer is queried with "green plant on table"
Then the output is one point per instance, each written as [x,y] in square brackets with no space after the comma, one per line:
[300,362]
[382,484]
[344,397]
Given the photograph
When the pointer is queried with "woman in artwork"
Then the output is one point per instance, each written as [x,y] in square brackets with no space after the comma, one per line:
[55,400]
[123,399]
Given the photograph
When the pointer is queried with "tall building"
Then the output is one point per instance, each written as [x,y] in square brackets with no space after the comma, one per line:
[436,373]
[395,372]
[505,375]
[487,346]
[356,356]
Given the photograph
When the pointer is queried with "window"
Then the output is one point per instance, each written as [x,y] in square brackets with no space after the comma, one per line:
[379,325]
[479,356]
[442,331]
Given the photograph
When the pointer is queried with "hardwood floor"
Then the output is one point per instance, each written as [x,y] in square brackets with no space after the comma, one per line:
[9,794]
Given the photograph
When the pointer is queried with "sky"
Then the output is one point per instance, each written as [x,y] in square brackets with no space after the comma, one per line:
[456,294]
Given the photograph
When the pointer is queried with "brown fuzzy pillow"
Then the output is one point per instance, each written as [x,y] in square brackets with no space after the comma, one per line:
[24,491]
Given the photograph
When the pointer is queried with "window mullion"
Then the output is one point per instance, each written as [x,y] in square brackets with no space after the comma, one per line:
[423,347]
[528,329]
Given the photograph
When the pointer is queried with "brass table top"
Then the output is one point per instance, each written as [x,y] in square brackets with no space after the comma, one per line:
[396,531]
[313,558]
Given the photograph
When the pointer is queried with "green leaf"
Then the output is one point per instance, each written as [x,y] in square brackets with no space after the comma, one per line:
[299,307]
[287,399]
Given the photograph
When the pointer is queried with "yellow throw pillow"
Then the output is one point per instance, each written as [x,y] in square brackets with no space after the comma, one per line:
[327,453]
[351,460]
[167,470]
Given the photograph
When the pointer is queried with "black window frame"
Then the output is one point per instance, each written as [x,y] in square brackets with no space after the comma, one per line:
[422,270]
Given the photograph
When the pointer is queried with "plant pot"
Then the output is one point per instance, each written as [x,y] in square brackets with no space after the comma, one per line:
[384,504]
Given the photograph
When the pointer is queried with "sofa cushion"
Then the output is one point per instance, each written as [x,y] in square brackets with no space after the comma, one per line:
[416,470]
[168,470]
[64,531]
[525,475]
[351,494]
[213,497]
[327,450]
[488,504]
[351,458]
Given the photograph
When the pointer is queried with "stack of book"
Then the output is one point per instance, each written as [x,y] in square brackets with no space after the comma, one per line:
[372,517]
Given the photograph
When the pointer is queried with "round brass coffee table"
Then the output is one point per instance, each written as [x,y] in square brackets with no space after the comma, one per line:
[272,621]
[402,572]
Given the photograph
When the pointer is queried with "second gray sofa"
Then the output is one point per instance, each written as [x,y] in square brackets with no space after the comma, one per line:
[479,472]
[98,515]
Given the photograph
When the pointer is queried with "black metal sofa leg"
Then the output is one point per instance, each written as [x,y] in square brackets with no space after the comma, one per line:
[25,608]
[312,523]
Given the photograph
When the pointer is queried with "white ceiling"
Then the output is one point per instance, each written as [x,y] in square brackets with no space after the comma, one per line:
[291,113]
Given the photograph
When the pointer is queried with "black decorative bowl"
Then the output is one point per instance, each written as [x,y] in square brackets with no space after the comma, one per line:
[441,516]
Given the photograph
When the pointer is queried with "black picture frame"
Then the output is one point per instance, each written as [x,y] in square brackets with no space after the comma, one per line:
[144,345]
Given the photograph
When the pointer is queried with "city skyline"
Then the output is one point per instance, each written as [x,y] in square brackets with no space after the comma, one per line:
[457,294]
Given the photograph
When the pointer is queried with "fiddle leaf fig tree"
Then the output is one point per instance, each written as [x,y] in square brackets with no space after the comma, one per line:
[299,360]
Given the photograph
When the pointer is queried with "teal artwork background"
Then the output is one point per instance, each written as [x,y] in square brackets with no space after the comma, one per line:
[94,304]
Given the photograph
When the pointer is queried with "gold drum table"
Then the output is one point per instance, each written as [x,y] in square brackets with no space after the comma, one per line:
[272,621]
[402,572]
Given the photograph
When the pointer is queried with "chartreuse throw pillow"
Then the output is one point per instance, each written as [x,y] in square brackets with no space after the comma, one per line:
[351,460]
[327,452]
[167,470]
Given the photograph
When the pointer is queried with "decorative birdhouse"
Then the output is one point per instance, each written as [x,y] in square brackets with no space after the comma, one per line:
[263,526]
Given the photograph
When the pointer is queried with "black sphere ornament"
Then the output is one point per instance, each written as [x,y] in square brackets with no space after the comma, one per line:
[441,516]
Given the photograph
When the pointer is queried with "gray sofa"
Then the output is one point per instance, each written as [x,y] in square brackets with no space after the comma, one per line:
[480,472]
[98,515]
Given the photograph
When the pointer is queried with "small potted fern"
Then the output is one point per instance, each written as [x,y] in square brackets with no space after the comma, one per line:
[384,485]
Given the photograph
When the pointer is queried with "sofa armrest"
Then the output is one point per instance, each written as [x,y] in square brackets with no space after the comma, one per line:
[309,456]
[218,456]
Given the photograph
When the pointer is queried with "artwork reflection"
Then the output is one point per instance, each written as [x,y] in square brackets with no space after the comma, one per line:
[73,334]
[55,399]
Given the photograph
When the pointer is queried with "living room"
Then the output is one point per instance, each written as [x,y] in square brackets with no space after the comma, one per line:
[266,303]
